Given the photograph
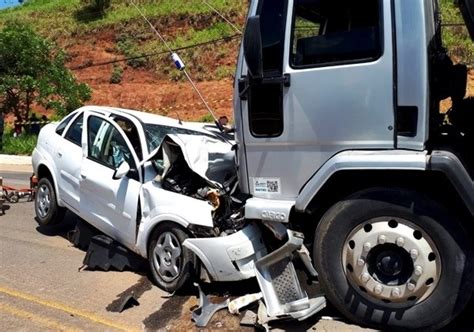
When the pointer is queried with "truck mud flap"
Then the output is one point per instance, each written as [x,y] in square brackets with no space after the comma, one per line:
[106,254]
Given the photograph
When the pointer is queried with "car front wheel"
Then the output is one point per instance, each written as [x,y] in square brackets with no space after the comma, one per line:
[172,265]
[394,258]
[48,212]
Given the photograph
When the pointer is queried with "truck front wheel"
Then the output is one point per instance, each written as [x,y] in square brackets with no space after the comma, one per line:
[389,257]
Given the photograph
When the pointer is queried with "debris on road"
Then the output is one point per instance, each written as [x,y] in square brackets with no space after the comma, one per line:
[202,315]
[105,254]
[241,302]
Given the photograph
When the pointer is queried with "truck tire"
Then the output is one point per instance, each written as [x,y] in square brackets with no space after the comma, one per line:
[171,264]
[48,212]
[394,258]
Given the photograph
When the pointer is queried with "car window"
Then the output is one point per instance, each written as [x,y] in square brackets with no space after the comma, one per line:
[132,134]
[60,128]
[156,133]
[74,134]
[106,145]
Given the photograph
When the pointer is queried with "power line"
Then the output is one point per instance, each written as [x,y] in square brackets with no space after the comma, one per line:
[149,55]
[180,66]
[223,17]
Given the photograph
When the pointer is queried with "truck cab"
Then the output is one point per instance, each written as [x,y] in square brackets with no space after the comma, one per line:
[337,111]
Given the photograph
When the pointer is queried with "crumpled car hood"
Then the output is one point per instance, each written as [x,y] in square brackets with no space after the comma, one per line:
[210,158]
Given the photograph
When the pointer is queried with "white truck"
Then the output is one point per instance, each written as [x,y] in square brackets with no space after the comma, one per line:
[343,165]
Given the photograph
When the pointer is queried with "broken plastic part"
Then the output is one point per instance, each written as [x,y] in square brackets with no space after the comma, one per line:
[105,254]
[242,302]
[303,253]
[203,314]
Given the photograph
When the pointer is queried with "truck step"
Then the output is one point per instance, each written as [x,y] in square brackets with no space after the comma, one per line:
[282,292]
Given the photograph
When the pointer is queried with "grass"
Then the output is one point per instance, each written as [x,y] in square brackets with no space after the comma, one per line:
[456,38]
[206,118]
[191,22]
[21,145]
[59,17]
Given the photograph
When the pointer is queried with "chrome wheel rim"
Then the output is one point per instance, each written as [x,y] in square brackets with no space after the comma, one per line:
[167,256]
[392,260]
[43,200]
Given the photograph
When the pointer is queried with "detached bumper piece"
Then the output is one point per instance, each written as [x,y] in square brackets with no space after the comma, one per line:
[282,293]
[203,314]
[106,254]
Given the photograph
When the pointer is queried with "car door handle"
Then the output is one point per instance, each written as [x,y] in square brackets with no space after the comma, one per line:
[84,176]
[60,154]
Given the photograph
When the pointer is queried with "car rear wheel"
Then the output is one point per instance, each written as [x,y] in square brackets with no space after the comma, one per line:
[48,212]
[172,265]
[395,258]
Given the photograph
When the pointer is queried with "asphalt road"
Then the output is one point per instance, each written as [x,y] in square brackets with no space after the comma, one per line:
[42,286]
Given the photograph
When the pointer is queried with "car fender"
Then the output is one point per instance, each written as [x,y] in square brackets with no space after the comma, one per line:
[159,205]
[146,229]
[39,159]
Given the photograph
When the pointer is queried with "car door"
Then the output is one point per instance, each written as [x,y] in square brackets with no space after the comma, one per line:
[68,158]
[109,204]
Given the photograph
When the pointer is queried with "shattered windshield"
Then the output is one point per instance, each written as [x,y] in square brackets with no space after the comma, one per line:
[156,133]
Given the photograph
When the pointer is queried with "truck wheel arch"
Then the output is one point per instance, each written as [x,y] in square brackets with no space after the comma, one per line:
[439,173]
[434,184]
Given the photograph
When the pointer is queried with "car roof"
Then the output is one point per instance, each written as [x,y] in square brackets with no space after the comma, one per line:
[148,118]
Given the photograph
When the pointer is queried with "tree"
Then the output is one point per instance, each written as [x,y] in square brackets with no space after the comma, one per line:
[32,70]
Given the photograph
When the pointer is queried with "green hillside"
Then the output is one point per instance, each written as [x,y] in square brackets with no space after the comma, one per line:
[183,22]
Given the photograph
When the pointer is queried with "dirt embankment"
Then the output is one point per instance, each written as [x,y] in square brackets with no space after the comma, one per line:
[143,89]
[149,90]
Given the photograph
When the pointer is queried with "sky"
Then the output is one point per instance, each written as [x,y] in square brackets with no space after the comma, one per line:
[8,3]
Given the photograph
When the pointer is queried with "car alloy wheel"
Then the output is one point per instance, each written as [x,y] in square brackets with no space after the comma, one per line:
[43,198]
[167,256]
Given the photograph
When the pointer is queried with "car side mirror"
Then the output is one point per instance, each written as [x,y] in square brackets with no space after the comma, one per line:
[253,47]
[122,171]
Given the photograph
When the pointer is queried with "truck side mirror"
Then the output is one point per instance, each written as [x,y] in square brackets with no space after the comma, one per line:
[253,47]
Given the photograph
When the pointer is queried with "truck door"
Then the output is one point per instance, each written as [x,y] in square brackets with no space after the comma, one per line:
[107,202]
[326,86]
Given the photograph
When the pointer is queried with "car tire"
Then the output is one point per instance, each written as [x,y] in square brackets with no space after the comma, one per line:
[172,265]
[393,304]
[48,212]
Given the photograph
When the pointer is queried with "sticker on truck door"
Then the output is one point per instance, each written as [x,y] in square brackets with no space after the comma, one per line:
[267,186]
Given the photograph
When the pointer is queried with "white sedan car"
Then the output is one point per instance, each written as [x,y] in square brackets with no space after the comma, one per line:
[109,167]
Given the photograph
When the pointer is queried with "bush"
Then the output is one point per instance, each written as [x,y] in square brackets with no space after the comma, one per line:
[130,49]
[98,5]
[21,145]
[116,76]
[207,118]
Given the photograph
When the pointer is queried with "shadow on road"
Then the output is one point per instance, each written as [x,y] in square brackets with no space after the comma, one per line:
[63,229]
